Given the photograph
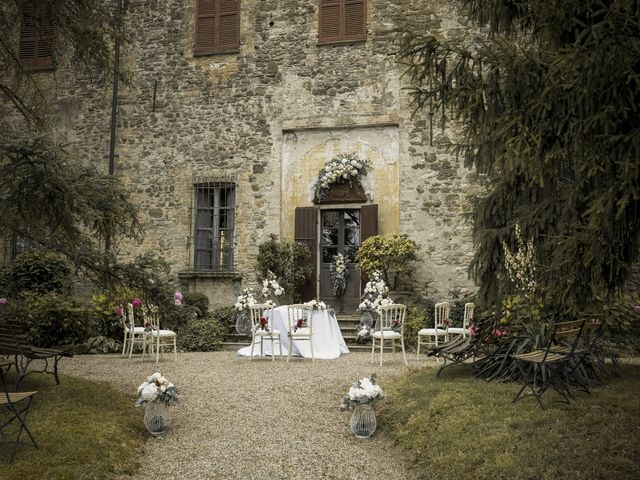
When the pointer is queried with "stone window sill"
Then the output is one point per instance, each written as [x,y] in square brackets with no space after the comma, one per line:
[209,274]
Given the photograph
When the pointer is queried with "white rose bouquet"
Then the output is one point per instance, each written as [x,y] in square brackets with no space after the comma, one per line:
[157,388]
[375,295]
[364,391]
[316,305]
[271,287]
[345,167]
[245,300]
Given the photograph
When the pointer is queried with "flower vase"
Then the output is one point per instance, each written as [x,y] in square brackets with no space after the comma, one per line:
[363,421]
[157,417]
[243,323]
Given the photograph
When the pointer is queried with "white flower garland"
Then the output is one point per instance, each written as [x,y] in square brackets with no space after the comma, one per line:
[339,275]
[346,167]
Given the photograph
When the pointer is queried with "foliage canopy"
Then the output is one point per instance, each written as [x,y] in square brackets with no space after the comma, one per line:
[547,95]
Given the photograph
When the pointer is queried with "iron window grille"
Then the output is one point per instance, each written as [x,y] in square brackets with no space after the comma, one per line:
[214,226]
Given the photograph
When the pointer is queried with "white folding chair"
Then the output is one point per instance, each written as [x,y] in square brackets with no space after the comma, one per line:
[300,323]
[390,326]
[132,334]
[441,327]
[157,338]
[468,315]
[261,328]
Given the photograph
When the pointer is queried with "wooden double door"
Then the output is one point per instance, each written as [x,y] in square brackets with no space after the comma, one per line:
[328,232]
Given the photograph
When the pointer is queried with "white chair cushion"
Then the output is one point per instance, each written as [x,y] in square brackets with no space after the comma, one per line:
[164,333]
[387,334]
[432,331]
[263,333]
[301,332]
[138,330]
[458,330]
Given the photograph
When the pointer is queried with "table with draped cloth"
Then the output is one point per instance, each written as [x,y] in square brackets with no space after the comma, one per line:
[328,342]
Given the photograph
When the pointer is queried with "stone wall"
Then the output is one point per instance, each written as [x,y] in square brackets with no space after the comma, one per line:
[184,119]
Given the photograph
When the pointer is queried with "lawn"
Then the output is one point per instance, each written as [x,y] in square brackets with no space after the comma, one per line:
[85,430]
[458,427]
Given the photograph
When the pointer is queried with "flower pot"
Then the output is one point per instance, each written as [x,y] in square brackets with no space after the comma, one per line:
[157,418]
[243,323]
[363,421]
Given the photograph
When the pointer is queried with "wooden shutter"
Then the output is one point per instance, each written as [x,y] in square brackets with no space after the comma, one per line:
[342,20]
[330,16]
[368,228]
[355,20]
[217,26]
[36,37]
[229,24]
[306,231]
[368,221]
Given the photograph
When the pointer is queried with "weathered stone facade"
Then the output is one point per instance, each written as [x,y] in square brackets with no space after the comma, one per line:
[267,118]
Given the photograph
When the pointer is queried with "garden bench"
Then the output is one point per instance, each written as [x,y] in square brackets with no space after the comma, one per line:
[455,351]
[14,344]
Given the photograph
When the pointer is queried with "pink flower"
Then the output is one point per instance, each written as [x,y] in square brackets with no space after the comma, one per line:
[3,301]
[117,310]
[137,303]
[177,298]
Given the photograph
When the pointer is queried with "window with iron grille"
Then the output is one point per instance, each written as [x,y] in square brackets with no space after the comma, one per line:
[214,225]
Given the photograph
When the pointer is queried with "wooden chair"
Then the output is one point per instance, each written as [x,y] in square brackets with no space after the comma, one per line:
[464,330]
[441,327]
[390,326]
[157,338]
[17,404]
[261,320]
[543,369]
[132,334]
[13,343]
[300,323]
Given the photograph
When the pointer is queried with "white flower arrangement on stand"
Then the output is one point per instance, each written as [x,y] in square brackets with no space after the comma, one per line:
[157,393]
[339,274]
[362,396]
[271,287]
[345,167]
[243,319]
[375,295]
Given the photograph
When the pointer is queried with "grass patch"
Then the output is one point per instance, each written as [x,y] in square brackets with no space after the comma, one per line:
[458,427]
[85,430]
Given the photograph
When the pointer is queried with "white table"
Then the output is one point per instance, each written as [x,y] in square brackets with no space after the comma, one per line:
[328,342]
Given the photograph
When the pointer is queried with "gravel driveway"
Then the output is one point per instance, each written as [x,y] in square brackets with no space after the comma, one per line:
[256,420]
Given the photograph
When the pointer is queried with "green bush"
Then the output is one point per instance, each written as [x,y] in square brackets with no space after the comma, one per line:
[290,263]
[201,335]
[37,271]
[389,254]
[226,316]
[52,319]
[197,300]
[416,319]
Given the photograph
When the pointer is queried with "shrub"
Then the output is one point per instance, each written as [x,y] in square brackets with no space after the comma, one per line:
[289,261]
[37,271]
[52,319]
[201,335]
[389,254]
[102,344]
[197,300]
[416,319]
[226,316]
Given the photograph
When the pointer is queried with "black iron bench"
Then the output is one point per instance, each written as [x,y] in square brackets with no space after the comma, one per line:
[455,351]
[13,343]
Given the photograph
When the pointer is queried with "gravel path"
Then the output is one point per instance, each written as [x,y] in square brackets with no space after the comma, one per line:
[256,420]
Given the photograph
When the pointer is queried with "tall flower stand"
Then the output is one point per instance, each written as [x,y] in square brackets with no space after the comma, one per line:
[243,323]
[157,417]
[363,421]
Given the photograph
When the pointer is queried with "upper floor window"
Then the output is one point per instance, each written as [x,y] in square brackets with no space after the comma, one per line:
[342,20]
[217,26]
[36,36]
[214,226]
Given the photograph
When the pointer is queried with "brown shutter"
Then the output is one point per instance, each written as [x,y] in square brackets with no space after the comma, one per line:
[368,228]
[229,24]
[306,228]
[368,221]
[36,37]
[206,26]
[330,14]
[355,20]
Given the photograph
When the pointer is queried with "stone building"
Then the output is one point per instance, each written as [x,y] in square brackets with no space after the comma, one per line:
[235,106]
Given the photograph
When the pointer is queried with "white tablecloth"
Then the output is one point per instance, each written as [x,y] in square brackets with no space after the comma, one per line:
[327,337]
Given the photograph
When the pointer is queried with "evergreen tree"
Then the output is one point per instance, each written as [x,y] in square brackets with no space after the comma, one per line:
[547,95]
